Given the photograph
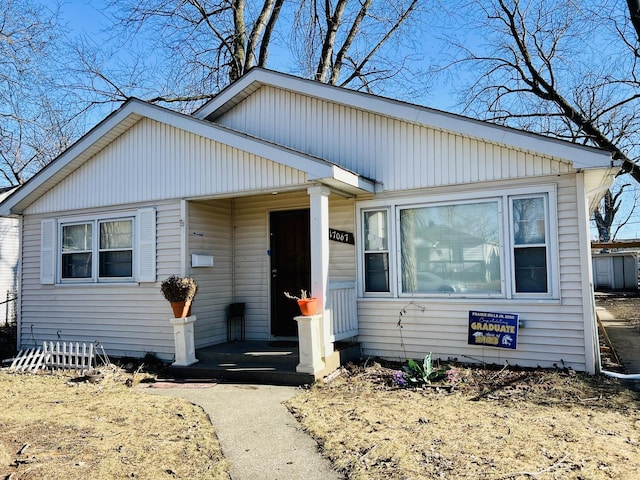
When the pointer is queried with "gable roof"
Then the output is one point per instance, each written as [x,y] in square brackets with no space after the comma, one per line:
[580,156]
[134,110]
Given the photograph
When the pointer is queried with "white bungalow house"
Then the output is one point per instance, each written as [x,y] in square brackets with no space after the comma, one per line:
[478,233]
[9,254]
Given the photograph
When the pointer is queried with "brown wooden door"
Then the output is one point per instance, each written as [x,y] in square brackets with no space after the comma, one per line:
[290,267]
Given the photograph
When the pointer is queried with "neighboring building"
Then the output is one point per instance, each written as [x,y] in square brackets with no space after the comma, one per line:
[376,205]
[615,270]
[9,253]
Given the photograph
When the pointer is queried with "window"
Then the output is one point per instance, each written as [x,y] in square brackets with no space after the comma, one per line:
[451,248]
[376,251]
[498,245]
[113,249]
[116,249]
[76,250]
[109,248]
[530,244]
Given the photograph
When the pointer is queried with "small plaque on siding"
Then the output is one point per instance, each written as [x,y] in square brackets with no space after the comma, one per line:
[342,237]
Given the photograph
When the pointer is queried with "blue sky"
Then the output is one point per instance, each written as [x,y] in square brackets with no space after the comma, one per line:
[84,16]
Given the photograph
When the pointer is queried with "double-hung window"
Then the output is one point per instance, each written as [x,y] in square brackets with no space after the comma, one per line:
[376,250]
[77,250]
[530,239]
[115,249]
[497,245]
[97,250]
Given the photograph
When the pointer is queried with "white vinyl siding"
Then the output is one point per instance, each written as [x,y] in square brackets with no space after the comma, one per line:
[400,154]
[127,319]
[210,232]
[163,162]
[9,253]
[553,331]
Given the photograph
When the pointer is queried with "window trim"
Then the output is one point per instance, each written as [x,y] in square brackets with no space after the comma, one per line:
[504,195]
[60,253]
[551,246]
[361,252]
[131,248]
[95,221]
[499,200]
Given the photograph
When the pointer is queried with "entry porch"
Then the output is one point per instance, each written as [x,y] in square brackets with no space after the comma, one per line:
[261,362]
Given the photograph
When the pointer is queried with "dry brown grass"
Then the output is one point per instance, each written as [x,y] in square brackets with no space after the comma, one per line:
[494,425]
[52,427]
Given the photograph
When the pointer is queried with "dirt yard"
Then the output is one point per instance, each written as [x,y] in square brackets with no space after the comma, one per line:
[492,425]
[63,427]
[488,424]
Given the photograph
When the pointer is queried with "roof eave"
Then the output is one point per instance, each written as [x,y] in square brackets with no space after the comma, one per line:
[580,156]
[134,110]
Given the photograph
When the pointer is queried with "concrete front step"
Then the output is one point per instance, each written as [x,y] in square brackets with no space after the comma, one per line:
[243,375]
[266,363]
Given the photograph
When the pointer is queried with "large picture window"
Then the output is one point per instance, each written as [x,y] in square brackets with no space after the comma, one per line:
[112,247]
[498,245]
[451,248]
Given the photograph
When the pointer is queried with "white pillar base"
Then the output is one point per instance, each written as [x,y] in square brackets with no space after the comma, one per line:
[184,343]
[310,345]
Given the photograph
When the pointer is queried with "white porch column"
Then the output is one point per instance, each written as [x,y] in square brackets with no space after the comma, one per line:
[319,231]
[310,349]
[185,350]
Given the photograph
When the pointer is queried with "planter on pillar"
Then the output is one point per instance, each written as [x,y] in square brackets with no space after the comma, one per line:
[183,339]
[310,345]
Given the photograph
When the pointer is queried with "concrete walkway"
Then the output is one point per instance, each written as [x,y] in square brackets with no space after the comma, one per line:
[259,437]
[624,338]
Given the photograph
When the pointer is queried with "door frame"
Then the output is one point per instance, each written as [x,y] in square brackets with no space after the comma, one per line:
[271,293]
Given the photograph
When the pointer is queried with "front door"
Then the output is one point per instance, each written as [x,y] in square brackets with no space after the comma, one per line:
[290,267]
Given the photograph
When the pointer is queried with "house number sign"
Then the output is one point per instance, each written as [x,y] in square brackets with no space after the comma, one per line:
[342,237]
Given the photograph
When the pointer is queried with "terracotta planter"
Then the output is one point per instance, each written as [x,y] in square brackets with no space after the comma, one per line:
[181,309]
[308,306]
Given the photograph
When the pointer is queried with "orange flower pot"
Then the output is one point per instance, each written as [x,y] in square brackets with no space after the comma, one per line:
[181,309]
[308,306]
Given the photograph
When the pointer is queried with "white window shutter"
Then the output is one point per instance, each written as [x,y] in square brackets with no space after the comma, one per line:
[48,252]
[147,245]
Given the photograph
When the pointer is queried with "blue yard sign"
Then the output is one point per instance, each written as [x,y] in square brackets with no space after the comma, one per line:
[493,329]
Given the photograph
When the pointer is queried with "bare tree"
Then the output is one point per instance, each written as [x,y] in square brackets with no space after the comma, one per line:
[190,49]
[543,68]
[606,214]
[34,125]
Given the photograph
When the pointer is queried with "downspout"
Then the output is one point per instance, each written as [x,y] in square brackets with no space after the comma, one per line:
[590,335]
[623,376]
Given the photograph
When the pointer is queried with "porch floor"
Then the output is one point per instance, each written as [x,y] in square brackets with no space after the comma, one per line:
[259,362]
